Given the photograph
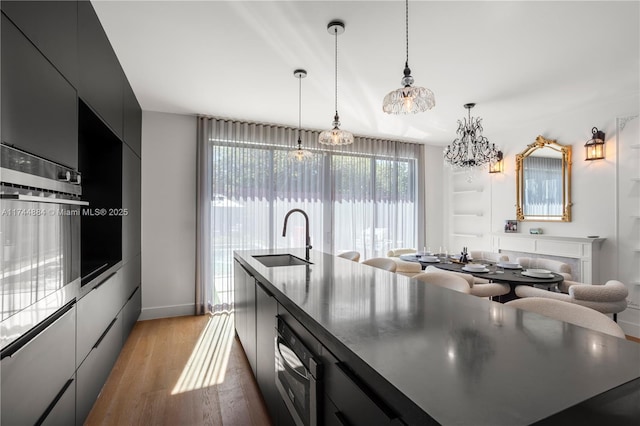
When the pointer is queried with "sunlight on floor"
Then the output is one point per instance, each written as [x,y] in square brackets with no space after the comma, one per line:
[208,361]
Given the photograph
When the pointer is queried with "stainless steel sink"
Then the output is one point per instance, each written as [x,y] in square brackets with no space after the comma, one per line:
[271,260]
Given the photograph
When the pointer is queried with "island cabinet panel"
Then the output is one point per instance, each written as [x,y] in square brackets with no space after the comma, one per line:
[101,78]
[132,125]
[52,26]
[266,311]
[36,369]
[39,106]
[239,301]
[356,403]
[245,292]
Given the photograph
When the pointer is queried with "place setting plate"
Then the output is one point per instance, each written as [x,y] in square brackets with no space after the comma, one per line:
[537,273]
[475,269]
[507,265]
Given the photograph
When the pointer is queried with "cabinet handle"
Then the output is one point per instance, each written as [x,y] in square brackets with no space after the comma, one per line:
[104,281]
[341,418]
[105,333]
[17,345]
[266,290]
[44,415]
[391,415]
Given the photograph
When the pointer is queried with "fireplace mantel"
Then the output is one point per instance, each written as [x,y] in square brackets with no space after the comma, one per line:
[585,250]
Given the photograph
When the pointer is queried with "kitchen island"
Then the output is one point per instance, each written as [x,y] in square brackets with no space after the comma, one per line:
[429,355]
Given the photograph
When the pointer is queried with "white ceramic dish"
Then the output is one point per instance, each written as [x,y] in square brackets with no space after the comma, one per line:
[430,259]
[475,267]
[508,265]
[537,273]
[466,268]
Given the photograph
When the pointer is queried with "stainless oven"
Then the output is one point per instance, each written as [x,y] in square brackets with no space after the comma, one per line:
[39,231]
[298,376]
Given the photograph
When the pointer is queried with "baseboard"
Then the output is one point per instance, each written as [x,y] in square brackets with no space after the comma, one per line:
[167,311]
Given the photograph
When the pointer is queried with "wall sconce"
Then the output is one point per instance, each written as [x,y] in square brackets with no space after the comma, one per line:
[595,146]
[498,166]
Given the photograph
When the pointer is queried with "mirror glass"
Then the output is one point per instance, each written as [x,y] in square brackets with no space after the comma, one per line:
[543,182]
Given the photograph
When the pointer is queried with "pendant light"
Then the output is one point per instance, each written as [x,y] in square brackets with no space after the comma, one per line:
[299,154]
[336,136]
[408,99]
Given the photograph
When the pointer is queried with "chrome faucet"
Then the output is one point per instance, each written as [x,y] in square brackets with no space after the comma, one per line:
[308,237]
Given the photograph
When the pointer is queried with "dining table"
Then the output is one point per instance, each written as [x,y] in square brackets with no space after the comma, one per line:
[493,272]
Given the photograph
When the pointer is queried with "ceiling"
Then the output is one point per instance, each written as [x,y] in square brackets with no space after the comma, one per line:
[518,61]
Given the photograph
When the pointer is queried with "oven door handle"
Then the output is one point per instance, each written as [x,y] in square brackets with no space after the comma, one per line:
[37,199]
[291,370]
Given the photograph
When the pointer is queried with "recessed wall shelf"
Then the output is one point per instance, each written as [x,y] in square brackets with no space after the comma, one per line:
[468,191]
[479,214]
[468,235]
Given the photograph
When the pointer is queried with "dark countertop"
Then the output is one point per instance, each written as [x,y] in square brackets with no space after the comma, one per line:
[461,359]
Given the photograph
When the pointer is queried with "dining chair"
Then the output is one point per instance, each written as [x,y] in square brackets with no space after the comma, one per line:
[445,279]
[569,312]
[610,298]
[404,267]
[350,255]
[488,256]
[381,263]
[397,252]
[479,289]
[556,266]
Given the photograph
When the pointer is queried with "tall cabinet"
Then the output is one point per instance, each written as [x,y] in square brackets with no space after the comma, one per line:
[57,60]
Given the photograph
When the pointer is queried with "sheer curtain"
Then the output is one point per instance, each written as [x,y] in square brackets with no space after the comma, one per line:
[361,197]
[543,195]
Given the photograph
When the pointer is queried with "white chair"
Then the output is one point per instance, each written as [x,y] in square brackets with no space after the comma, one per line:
[556,266]
[444,279]
[488,256]
[350,255]
[404,267]
[609,298]
[485,289]
[569,312]
[381,263]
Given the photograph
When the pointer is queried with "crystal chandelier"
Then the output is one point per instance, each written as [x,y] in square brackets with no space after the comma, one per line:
[299,154]
[408,99]
[470,149]
[336,136]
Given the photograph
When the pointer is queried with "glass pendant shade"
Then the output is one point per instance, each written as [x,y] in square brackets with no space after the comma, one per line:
[408,99]
[336,136]
[299,154]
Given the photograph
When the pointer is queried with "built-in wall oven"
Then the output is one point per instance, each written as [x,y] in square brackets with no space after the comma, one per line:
[40,216]
[298,376]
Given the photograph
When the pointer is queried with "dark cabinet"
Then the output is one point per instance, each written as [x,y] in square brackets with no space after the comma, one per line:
[52,26]
[266,311]
[239,301]
[94,370]
[132,119]
[131,313]
[100,76]
[245,311]
[35,374]
[39,106]
[131,208]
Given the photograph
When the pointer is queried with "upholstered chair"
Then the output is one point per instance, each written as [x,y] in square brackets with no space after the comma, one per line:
[351,255]
[403,267]
[397,252]
[569,312]
[485,289]
[488,256]
[556,266]
[381,263]
[609,298]
[445,279]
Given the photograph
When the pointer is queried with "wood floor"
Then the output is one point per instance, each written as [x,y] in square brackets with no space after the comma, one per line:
[181,371]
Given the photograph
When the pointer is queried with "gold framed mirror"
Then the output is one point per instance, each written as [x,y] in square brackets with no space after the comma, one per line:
[543,182]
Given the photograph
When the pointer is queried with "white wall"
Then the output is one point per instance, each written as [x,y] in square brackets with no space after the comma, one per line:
[168,214]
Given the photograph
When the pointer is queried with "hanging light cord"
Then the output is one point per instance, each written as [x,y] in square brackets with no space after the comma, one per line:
[299,109]
[406,25]
[335,32]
